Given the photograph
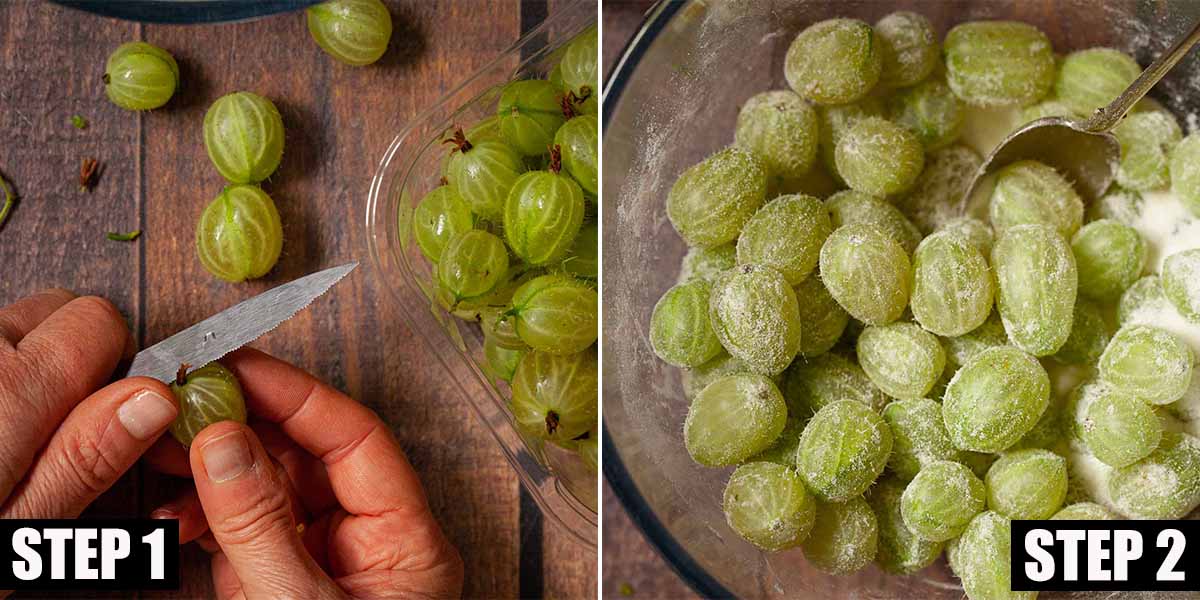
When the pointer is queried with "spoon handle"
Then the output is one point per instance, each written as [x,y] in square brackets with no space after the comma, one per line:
[1107,117]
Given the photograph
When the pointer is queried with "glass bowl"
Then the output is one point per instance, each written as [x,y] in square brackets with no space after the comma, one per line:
[563,486]
[671,100]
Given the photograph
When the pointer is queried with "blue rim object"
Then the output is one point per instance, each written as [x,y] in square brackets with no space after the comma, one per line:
[614,470]
[186,11]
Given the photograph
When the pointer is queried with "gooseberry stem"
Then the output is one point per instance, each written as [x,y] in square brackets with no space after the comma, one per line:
[181,375]
[89,170]
[460,141]
[555,159]
[551,422]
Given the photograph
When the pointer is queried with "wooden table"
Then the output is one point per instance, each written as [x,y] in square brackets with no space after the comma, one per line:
[157,178]
[629,561]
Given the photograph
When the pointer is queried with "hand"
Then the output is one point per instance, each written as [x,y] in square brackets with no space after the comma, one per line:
[65,439]
[315,457]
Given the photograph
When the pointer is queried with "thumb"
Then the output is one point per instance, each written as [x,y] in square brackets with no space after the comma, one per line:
[250,516]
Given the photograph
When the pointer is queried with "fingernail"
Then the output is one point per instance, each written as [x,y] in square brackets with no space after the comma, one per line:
[146,414]
[164,512]
[226,457]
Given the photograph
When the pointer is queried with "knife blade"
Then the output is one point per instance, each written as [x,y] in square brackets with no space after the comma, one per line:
[233,327]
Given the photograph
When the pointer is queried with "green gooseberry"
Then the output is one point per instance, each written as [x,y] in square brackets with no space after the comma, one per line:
[441,215]
[483,172]
[542,215]
[554,396]
[239,235]
[583,259]
[473,263]
[579,74]
[243,134]
[140,76]
[355,32]
[577,140]
[555,314]
[530,114]
[207,395]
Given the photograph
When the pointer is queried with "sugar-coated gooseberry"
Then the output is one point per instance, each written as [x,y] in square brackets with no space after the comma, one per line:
[239,235]
[834,61]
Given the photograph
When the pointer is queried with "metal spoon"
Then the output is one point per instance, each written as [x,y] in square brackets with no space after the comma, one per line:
[1084,151]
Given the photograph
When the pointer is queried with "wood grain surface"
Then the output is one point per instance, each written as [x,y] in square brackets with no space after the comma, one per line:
[157,178]
[632,568]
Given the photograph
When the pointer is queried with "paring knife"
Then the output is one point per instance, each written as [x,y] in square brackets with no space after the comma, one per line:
[233,327]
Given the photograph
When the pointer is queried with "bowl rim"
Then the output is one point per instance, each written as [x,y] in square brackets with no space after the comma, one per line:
[615,473]
[187,12]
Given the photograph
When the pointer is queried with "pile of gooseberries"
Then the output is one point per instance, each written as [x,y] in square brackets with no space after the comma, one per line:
[885,375]
[510,232]
[239,235]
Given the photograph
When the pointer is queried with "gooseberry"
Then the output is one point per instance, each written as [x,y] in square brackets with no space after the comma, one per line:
[243,134]
[207,395]
[239,235]
[140,76]
[355,32]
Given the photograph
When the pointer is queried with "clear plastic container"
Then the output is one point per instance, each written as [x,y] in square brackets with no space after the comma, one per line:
[673,99]
[563,486]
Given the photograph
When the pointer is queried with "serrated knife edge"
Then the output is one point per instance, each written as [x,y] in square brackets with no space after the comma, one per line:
[234,327]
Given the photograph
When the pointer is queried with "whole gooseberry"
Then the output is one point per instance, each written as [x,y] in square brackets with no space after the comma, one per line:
[543,214]
[207,395]
[243,134]
[355,32]
[140,76]
[578,141]
[555,314]
[530,111]
[554,397]
[483,172]
[239,235]
[578,72]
